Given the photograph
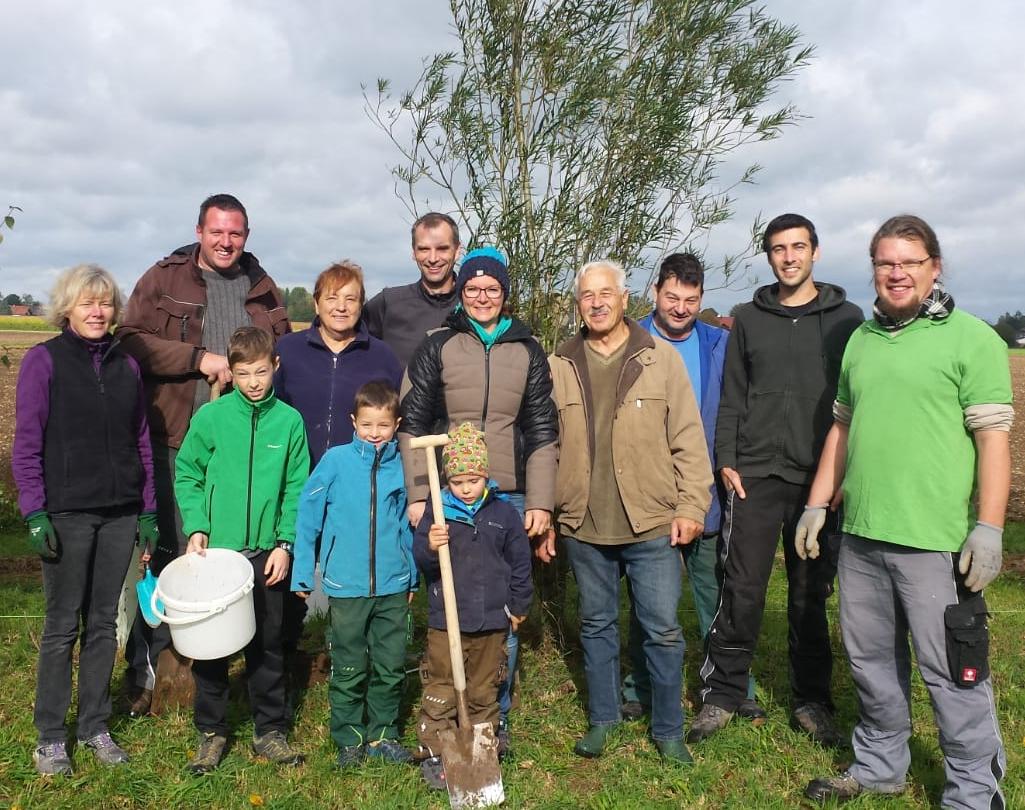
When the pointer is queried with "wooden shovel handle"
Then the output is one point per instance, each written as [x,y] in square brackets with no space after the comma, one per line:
[448,590]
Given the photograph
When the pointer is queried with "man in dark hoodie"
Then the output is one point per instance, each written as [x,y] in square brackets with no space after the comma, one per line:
[779,382]
[177,324]
[402,316]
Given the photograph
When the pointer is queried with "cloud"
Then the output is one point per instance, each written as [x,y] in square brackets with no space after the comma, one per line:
[117,119]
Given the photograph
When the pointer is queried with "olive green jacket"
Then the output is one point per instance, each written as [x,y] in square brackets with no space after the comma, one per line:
[658,443]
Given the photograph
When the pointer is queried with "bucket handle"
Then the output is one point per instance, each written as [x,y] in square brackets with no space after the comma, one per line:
[213,611]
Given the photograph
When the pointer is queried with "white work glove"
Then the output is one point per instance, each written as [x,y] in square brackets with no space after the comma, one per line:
[806,536]
[981,555]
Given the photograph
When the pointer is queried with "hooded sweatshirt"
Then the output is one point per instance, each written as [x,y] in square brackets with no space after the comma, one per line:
[779,383]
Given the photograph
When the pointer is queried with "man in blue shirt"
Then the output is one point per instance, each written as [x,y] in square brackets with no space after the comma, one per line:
[678,292]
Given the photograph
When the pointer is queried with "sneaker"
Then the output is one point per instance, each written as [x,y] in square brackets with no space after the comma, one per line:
[709,720]
[844,787]
[349,756]
[592,744]
[52,759]
[105,749]
[674,751]
[632,710]
[433,773]
[750,709]
[209,752]
[273,746]
[389,751]
[817,722]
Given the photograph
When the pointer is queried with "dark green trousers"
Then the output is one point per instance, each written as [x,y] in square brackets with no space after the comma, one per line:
[368,656]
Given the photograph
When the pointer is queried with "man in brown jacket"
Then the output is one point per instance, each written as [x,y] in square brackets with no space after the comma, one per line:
[176,325]
[632,485]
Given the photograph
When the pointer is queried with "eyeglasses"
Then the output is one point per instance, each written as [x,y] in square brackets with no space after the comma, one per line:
[494,293]
[911,265]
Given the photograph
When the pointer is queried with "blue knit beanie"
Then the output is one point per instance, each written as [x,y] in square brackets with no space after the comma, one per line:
[485,261]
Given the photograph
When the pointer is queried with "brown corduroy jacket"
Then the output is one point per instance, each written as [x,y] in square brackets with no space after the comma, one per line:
[162,328]
[658,444]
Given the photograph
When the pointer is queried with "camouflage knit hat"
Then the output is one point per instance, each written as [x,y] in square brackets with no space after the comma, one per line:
[466,451]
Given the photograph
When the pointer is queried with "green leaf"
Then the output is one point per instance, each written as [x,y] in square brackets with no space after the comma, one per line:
[9,221]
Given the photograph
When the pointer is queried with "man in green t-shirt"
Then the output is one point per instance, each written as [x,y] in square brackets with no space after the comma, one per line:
[922,416]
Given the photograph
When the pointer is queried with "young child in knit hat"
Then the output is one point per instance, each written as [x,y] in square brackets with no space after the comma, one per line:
[491,569]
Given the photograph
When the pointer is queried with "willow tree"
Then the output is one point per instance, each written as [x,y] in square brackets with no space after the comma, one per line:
[568,130]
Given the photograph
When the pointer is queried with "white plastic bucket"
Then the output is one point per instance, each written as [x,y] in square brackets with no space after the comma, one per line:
[208,603]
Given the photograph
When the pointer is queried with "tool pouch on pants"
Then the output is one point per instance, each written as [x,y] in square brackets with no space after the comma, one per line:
[967,634]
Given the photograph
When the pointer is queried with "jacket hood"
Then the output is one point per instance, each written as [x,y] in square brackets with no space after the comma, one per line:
[830,297]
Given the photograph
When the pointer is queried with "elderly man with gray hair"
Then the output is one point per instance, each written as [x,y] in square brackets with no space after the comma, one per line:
[632,486]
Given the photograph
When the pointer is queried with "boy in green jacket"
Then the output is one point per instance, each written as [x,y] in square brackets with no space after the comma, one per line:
[238,477]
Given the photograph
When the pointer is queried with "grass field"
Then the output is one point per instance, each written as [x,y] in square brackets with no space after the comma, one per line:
[743,767]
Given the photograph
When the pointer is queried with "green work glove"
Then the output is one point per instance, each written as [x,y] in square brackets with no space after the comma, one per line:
[981,555]
[41,536]
[806,535]
[149,534]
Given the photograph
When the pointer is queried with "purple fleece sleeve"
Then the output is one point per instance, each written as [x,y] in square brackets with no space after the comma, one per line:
[149,493]
[32,409]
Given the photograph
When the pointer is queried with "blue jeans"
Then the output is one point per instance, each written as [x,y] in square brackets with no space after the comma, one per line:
[512,640]
[654,570]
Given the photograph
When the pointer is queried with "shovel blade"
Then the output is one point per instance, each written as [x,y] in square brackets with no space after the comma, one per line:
[174,687]
[472,772]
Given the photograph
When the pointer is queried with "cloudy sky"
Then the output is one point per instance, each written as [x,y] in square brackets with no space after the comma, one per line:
[118,118]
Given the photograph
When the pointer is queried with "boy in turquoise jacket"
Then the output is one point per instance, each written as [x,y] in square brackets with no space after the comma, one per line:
[355,505]
[238,477]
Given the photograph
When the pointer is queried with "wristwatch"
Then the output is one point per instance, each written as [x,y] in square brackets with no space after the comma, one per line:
[285,546]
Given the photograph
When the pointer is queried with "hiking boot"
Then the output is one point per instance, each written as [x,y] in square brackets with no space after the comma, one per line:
[433,773]
[349,756]
[389,751]
[52,759]
[592,744]
[674,751]
[502,735]
[709,720]
[274,747]
[139,701]
[817,722]
[632,710]
[105,749]
[750,709]
[844,787]
[209,752]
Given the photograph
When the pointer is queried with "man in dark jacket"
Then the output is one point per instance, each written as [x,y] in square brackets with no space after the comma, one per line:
[402,316]
[177,324]
[779,382]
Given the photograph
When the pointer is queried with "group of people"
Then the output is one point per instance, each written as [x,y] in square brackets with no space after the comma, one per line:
[637,448]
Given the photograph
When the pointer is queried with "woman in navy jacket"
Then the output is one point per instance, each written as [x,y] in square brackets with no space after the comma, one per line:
[324,366]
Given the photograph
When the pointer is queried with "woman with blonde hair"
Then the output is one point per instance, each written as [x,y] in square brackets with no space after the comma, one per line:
[83,466]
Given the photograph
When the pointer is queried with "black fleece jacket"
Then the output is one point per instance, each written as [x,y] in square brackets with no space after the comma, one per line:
[779,383]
